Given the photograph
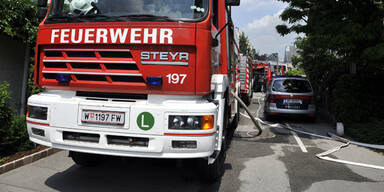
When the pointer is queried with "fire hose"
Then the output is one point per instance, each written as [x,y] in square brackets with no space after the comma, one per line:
[324,155]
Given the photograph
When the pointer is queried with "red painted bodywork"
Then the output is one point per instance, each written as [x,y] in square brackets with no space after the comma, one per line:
[194,38]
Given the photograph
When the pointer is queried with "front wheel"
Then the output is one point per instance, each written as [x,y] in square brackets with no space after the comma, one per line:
[213,172]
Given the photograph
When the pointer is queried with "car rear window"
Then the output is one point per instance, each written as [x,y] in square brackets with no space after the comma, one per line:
[292,86]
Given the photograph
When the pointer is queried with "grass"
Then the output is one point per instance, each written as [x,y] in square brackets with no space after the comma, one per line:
[2,160]
[370,132]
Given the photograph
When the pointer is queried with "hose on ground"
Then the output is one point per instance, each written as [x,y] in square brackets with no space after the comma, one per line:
[257,123]
[324,155]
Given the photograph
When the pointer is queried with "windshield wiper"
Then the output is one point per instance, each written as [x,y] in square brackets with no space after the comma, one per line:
[94,16]
[77,18]
[146,16]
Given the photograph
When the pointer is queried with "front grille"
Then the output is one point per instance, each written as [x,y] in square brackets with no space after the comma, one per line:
[82,137]
[85,65]
[80,54]
[91,65]
[127,141]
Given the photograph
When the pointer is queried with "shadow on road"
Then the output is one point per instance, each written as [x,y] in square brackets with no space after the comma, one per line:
[132,174]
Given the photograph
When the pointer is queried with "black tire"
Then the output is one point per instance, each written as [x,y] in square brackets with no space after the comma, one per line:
[85,159]
[213,172]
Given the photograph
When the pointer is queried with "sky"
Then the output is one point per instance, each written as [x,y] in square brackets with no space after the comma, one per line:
[257,19]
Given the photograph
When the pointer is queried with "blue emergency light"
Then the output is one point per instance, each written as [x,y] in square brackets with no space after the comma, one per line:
[154,81]
[63,78]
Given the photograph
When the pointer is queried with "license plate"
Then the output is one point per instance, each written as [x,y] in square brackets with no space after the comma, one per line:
[293,107]
[293,101]
[103,117]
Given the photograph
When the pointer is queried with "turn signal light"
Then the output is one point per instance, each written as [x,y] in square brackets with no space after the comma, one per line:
[207,122]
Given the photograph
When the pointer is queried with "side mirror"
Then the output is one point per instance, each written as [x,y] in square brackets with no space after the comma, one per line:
[41,13]
[232,2]
[42,3]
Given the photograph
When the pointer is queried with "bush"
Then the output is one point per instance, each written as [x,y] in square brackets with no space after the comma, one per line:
[6,112]
[357,98]
[346,99]
[13,129]
[18,134]
[370,132]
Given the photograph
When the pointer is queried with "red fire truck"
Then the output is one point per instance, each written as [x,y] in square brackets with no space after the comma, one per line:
[136,78]
[262,74]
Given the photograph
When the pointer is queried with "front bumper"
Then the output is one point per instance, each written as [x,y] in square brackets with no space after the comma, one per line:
[64,116]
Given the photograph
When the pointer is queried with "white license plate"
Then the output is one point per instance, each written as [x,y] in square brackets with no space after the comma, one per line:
[103,117]
[293,107]
[293,101]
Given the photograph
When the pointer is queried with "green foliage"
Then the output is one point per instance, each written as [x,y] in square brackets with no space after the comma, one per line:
[297,61]
[370,132]
[18,134]
[295,72]
[347,103]
[340,34]
[13,129]
[6,112]
[32,88]
[2,160]
[18,19]
[246,47]
[244,43]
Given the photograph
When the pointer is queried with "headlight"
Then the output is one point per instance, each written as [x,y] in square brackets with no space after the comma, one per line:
[179,122]
[37,112]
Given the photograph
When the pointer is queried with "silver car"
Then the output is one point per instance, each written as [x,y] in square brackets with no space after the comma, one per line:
[288,96]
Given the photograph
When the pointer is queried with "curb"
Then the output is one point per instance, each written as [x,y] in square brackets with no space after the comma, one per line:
[27,160]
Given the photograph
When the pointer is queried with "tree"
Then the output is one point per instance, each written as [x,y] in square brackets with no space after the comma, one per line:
[246,47]
[344,42]
[348,29]
[18,20]
[244,43]
[296,61]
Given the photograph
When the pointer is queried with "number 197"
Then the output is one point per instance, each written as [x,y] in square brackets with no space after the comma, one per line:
[174,78]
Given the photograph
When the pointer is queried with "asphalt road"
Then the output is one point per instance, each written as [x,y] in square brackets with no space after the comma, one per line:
[275,161]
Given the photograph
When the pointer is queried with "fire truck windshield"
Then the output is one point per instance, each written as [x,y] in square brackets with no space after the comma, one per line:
[126,10]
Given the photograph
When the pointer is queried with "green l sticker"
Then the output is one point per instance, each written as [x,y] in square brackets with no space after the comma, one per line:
[145,121]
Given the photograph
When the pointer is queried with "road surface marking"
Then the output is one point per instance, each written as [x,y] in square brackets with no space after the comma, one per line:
[298,140]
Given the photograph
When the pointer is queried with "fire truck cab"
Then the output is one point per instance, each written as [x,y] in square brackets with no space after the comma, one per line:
[136,78]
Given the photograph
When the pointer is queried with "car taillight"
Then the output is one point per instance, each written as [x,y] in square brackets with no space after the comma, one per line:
[271,99]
